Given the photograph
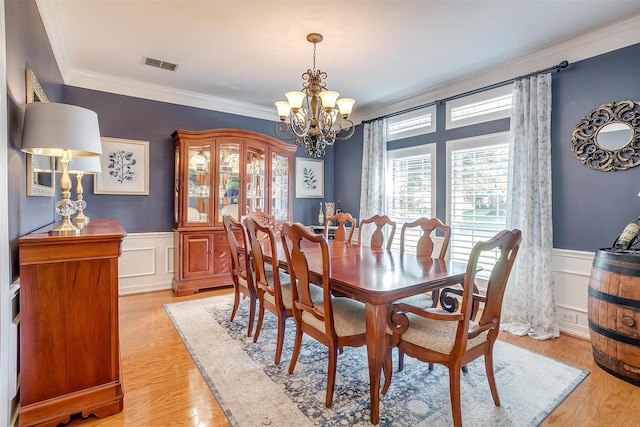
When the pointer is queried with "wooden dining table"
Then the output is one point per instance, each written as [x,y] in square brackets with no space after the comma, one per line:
[377,277]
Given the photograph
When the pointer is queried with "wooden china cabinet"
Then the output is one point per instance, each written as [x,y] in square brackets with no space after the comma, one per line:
[223,172]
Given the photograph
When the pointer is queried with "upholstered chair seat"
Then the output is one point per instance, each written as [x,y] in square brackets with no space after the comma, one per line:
[437,335]
[348,317]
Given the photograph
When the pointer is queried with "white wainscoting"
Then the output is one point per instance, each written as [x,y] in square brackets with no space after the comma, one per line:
[146,265]
[571,271]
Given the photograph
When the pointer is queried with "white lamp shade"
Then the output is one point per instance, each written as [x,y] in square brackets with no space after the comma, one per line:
[283,108]
[295,99]
[328,98]
[51,128]
[345,105]
[87,165]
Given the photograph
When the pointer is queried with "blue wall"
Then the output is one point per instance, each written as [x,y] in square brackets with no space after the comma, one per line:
[590,207]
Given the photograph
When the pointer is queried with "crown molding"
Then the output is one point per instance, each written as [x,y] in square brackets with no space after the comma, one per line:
[51,21]
[595,43]
[127,87]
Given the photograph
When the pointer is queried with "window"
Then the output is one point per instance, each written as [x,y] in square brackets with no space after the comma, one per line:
[410,186]
[478,108]
[477,192]
[416,122]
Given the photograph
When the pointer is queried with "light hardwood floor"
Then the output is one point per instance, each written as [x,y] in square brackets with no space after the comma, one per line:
[163,386]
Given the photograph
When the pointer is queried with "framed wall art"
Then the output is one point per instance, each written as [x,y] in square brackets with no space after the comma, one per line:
[309,178]
[125,168]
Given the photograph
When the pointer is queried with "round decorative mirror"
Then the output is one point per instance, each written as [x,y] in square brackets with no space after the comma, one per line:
[608,139]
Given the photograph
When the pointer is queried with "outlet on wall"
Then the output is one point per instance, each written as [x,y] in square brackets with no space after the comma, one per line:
[568,317]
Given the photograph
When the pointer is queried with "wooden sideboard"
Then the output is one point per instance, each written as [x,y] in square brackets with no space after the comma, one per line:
[69,342]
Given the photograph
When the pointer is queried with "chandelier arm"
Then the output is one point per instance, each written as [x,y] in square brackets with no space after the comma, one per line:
[282,131]
[348,135]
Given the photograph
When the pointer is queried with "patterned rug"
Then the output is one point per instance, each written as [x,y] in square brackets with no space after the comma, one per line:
[253,391]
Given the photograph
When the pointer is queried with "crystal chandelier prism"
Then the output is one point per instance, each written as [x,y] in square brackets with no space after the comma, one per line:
[310,117]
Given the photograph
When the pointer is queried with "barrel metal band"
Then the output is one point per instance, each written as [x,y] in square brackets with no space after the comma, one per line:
[613,335]
[605,264]
[614,299]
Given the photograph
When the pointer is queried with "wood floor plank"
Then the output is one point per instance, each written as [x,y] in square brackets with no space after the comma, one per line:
[163,386]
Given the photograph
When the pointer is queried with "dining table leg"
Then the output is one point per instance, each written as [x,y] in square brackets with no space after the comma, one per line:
[376,320]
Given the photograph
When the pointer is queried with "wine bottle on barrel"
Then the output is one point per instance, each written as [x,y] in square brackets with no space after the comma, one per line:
[628,236]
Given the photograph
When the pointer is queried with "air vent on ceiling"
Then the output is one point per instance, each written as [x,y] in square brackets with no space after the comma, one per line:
[159,64]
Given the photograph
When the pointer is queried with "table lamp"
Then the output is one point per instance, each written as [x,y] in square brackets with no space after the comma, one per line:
[81,166]
[64,131]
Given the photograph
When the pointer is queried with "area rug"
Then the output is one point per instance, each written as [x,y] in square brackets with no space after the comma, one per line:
[253,391]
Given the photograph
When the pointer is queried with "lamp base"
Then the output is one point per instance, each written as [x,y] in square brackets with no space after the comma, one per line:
[80,219]
[65,228]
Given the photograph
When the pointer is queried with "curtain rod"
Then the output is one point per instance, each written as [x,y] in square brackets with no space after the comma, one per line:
[560,66]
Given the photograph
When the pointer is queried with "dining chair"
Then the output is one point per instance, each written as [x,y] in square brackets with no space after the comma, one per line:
[241,274]
[424,247]
[273,285]
[377,237]
[455,339]
[336,322]
[340,234]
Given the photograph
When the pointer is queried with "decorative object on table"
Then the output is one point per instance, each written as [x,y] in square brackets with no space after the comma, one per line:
[65,131]
[338,208]
[40,169]
[329,209]
[628,235]
[313,121]
[614,310]
[81,166]
[608,138]
[309,178]
[125,166]
[417,395]
[320,216]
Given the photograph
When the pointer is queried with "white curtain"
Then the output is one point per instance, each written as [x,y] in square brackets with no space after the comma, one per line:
[529,305]
[374,161]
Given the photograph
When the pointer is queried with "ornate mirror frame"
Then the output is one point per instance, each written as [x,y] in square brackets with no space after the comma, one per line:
[584,138]
[41,179]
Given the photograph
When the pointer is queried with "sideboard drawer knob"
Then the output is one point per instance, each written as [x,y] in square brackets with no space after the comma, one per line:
[628,321]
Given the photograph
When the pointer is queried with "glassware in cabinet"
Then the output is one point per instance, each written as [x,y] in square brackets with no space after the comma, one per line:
[228,180]
[199,180]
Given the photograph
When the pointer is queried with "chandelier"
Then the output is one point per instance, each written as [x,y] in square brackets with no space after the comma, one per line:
[310,117]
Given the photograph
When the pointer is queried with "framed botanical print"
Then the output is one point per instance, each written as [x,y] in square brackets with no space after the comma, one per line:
[309,178]
[125,167]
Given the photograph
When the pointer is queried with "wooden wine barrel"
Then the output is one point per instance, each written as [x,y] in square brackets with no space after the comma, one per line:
[614,313]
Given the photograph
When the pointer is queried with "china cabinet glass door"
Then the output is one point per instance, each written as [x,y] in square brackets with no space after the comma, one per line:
[228,180]
[199,184]
[255,180]
[280,187]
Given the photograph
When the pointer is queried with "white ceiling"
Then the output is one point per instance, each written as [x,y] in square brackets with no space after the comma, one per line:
[240,56]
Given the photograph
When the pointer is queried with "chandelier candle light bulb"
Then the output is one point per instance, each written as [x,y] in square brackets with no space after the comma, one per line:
[309,117]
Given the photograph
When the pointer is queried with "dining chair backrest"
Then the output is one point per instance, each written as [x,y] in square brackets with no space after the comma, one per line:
[263,218]
[340,234]
[507,243]
[237,237]
[259,235]
[425,244]
[377,238]
[295,237]
[241,271]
